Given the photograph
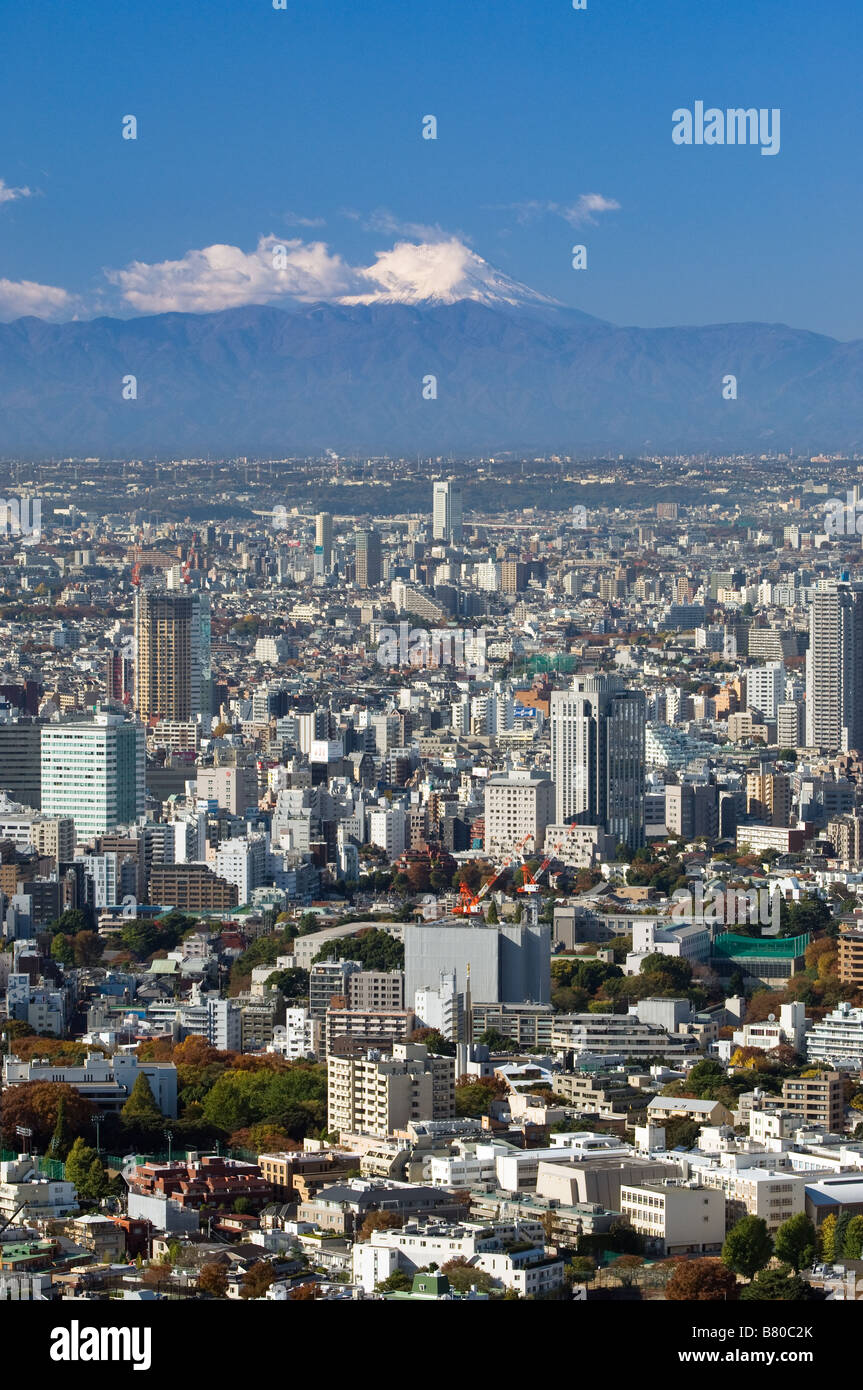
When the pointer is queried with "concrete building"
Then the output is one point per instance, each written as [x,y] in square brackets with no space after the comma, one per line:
[379,1095]
[234,789]
[93,773]
[851,955]
[838,1039]
[508,964]
[598,756]
[518,807]
[40,1198]
[675,1218]
[106,1080]
[820,1100]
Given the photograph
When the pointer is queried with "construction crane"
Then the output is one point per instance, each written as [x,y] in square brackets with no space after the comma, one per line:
[470,903]
[530,881]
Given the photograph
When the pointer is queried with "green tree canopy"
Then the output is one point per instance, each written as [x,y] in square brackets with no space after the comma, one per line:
[747,1246]
[141,1104]
[795,1242]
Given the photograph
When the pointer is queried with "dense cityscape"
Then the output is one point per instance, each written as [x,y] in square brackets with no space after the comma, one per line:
[432,879]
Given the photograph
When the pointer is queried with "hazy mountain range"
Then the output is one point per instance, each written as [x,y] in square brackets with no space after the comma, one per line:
[513,371]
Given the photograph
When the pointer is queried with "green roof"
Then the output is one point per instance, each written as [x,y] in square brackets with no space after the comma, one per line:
[767,947]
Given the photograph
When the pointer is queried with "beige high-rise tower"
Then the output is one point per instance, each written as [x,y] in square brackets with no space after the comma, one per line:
[168,655]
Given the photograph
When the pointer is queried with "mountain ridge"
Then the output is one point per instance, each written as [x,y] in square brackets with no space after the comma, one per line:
[270,378]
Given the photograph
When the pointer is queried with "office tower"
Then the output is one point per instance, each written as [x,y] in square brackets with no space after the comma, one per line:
[447,513]
[93,772]
[598,757]
[834,669]
[517,804]
[790,724]
[368,558]
[324,538]
[765,686]
[172,654]
[20,761]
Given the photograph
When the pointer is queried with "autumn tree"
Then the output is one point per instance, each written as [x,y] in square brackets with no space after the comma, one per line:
[827,1239]
[305,1292]
[379,1221]
[701,1281]
[213,1280]
[257,1279]
[625,1268]
[34,1105]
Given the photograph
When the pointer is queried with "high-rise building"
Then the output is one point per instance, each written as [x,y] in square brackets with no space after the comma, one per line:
[790,724]
[20,761]
[834,668]
[172,650]
[447,513]
[324,538]
[93,773]
[369,570]
[765,686]
[598,757]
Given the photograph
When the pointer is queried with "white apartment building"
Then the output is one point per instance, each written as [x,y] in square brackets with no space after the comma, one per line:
[386,828]
[242,862]
[518,805]
[838,1039]
[765,1192]
[298,1037]
[379,1094]
[619,1035]
[41,1198]
[765,688]
[420,1243]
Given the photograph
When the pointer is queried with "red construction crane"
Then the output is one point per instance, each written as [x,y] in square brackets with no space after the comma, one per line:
[530,881]
[469,903]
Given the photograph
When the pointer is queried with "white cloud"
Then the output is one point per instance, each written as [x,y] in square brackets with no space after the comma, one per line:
[294,219]
[225,277]
[584,210]
[10,195]
[18,297]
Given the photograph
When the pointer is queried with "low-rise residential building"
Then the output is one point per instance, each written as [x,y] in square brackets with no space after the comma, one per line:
[838,1039]
[819,1100]
[26,1196]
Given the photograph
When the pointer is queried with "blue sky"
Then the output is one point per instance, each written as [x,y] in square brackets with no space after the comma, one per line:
[304,125]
